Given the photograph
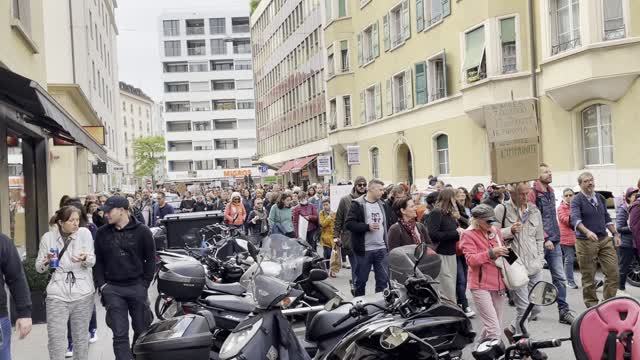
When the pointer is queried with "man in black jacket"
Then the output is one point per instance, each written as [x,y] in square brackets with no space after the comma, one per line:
[367,223]
[124,269]
[12,274]
[397,193]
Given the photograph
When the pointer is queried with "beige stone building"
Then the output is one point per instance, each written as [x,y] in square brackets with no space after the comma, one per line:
[407,82]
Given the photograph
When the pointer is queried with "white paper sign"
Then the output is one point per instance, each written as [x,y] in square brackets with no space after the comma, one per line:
[353,155]
[303,225]
[337,192]
[324,165]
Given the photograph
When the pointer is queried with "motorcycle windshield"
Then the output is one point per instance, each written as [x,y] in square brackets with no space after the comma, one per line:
[402,261]
[267,290]
[280,257]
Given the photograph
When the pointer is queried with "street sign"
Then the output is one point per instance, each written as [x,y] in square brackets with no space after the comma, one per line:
[263,170]
[353,155]
[324,165]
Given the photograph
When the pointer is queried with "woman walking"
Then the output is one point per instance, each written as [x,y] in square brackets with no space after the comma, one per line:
[627,251]
[308,212]
[234,212]
[70,290]
[567,237]
[281,217]
[464,203]
[407,231]
[482,245]
[257,222]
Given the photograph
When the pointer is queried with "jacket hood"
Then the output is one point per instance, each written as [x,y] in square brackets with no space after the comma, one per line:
[132,225]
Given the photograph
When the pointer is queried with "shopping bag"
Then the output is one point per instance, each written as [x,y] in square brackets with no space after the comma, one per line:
[336,260]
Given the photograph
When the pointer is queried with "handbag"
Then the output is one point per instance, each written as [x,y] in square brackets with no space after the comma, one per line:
[514,275]
[336,260]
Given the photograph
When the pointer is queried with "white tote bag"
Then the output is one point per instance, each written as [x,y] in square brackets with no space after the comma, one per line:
[514,275]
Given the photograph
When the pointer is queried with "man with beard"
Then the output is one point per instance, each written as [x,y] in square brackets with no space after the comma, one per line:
[397,193]
[145,205]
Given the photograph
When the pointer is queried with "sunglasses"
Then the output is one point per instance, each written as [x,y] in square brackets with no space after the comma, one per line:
[361,185]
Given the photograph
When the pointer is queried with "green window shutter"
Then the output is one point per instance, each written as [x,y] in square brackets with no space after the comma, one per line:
[508,30]
[362,108]
[446,7]
[327,5]
[442,142]
[406,20]
[444,73]
[378,100]
[419,15]
[389,94]
[344,45]
[360,49]
[342,8]
[375,39]
[420,83]
[474,48]
[385,26]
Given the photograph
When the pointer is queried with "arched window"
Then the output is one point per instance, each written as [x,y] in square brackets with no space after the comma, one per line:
[442,151]
[597,139]
[375,161]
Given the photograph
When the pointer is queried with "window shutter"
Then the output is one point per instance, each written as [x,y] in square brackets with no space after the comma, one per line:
[360,49]
[378,100]
[375,41]
[408,95]
[419,15]
[389,98]
[385,26]
[406,20]
[362,109]
[444,73]
[446,8]
[421,83]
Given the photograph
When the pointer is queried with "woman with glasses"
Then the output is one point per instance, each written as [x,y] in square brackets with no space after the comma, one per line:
[567,236]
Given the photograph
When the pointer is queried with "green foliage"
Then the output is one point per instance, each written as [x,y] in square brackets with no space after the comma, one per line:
[148,153]
[36,281]
[254,5]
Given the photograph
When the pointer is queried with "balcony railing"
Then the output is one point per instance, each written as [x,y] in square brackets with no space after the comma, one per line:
[242,49]
[197,51]
[571,44]
[614,34]
[240,28]
[196,30]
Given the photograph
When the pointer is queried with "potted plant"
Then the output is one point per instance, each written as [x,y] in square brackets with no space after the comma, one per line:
[38,285]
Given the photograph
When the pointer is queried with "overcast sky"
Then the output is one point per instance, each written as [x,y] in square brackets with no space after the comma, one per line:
[138,53]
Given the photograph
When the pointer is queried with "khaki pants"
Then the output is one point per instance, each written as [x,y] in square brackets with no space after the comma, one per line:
[589,253]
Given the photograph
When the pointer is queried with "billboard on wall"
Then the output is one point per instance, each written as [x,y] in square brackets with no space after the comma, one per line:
[353,155]
[324,165]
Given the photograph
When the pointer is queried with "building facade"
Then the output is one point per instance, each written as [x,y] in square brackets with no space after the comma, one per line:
[137,111]
[208,94]
[420,72]
[289,73]
[82,74]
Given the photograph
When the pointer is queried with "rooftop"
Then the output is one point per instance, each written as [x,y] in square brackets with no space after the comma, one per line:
[134,91]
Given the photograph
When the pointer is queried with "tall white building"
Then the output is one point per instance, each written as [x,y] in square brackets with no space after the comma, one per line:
[208,94]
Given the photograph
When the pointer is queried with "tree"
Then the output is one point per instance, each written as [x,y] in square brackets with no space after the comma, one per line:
[148,153]
[254,4]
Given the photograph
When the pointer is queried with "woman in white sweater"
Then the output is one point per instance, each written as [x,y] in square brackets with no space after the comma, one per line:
[70,290]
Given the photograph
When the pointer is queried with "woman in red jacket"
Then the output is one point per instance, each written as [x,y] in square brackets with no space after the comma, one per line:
[310,213]
[481,245]
[567,236]
[235,214]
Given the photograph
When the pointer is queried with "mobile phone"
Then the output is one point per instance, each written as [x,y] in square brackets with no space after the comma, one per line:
[511,256]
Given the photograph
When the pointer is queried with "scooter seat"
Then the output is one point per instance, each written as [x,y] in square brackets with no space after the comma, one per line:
[230,303]
[230,289]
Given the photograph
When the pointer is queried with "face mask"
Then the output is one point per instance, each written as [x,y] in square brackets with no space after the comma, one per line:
[303,202]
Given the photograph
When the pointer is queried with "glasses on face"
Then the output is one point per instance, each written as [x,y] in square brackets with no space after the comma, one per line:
[361,185]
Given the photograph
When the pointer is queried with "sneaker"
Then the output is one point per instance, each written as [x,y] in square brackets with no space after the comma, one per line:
[93,336]
[69,352]
[469,312]
[599,284]
[573,286]
[567,317]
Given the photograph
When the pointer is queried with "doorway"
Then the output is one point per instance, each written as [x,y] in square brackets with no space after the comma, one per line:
[404,163]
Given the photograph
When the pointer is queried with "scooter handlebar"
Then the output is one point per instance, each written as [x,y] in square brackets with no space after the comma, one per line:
[546,344]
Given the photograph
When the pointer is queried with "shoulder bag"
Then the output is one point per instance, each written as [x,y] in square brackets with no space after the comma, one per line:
[515,274]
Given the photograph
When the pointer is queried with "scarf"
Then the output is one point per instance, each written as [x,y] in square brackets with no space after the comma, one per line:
[410,227]
[264,225]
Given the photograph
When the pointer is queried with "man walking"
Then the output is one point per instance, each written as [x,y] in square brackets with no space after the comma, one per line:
[341,235]
[544,198]
[367,223]
[590,218]
[146,206]
[161,208]
[125,264]
[12,274]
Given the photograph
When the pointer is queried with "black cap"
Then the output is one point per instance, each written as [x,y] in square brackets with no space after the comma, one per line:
[114,202]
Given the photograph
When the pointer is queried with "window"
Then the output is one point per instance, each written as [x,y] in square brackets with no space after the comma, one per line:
[242,46]
[244,84]
[201,125]
[179,165]
[344,56]
[93,67]
[431,12]
[370,104]
[333,114]
[124,108]
[474,56]
[245,104]
[327,9]
[224,104]
[342,8]
[421,83]
[597,135]
[330,63]
[240,24]
[195,26]
[221,65]
[22,12]
[437,77]
[396,25]
[375,163]
[508,41]
[199,67]
[226,163]
[178,126]
[226,144]
[217,26]
[171,27]
[91,24]
[179,146]
[346,103]
[200,106]
[565,25]
[242,64]
[442,150]
[172,48]
[368,44]
[402,91]
[196,47]
[225,124]
[613,19]
[203,165]
[222,84]
[124,118]
[218,47]
[174,87]
[202,145]
[175,67]
[199,86]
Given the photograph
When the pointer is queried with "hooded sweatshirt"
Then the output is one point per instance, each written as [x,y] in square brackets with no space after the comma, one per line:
[339,229]
[124,257]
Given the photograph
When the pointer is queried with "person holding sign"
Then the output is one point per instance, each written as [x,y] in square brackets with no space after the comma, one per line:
[309,213]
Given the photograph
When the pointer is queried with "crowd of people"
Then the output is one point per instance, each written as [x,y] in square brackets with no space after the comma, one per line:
[103,243]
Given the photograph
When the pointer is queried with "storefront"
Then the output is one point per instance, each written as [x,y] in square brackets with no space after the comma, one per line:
[29,117]
[300,172]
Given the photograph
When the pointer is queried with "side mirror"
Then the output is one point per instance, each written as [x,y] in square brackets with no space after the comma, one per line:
[543,294]
[318,275]
[420,250]
[393,337]
[253,251]
[333,303]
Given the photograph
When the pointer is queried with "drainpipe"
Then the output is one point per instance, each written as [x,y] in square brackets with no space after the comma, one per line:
[534,79]
[73,51]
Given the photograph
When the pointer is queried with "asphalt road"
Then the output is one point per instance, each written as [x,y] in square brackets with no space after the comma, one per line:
[35,345]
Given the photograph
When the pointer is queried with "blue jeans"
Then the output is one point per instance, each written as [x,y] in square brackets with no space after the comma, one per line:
[379,259]
[5,341]
[461,282]
[569,255]
[556,267]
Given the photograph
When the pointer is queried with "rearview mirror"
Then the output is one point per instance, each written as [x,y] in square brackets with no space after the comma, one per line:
[253,251]
[333,303]
[318,275]
[543,294]
[392,337]
[419,251]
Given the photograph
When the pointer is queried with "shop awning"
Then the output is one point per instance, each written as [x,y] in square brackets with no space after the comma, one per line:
[285,168]
[302,162]
[46,112]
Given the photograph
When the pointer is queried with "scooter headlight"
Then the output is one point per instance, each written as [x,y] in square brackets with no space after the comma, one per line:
[237,340]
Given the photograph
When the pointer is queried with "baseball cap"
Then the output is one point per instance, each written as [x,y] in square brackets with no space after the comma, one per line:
[114,202]
[630,191]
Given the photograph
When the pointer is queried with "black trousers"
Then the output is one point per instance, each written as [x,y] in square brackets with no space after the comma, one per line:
[625,258]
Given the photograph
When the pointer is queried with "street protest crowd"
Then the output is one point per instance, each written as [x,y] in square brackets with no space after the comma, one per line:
[103,243]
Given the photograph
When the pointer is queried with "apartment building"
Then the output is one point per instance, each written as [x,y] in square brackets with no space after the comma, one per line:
[82,74]
[137,111]
[407,83]
[289,73]
[208,94]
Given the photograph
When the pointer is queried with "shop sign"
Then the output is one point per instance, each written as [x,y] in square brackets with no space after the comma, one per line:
[305,173]
[236,173]
[324,165]
[353,155]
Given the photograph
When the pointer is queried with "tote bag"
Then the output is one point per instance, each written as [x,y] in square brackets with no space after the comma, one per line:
[514,275]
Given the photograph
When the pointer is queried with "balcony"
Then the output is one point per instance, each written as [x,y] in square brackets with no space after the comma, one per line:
[174,146]
[242,47]
[196,47]
[197,51]
[195,27]
[567,45]
[240,25]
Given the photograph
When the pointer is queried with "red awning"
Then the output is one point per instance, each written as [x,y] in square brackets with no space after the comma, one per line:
[285,168]
[295,165]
